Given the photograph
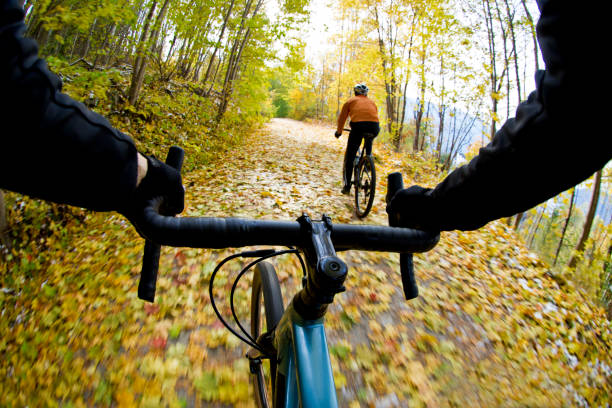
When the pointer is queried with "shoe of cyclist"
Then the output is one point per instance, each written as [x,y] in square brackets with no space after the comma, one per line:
[346,189]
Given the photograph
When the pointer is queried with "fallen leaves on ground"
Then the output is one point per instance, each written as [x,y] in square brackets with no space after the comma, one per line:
[491,326]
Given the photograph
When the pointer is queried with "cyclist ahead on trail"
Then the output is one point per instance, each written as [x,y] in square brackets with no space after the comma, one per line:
[364,119]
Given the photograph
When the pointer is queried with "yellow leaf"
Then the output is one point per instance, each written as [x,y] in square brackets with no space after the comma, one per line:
[420,380]
[125,399]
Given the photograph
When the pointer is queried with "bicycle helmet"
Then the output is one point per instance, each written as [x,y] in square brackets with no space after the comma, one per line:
[361,89]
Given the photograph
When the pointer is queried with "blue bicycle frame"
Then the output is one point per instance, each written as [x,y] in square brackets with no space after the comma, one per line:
[303,360]
[297,346]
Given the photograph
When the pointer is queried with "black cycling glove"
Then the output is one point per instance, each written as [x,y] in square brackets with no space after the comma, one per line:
[337,134]
[414,207]
[161,180]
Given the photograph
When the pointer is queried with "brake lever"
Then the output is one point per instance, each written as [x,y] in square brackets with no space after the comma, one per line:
[411,290]
[150,257]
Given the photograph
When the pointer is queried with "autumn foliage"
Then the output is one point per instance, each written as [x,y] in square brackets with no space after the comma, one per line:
[500,320]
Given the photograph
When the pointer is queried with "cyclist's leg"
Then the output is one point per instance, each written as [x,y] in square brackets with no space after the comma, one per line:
[372,128]
[368,145]
[352,146]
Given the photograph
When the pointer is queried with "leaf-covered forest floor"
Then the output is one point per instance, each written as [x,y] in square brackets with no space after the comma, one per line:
[491,326]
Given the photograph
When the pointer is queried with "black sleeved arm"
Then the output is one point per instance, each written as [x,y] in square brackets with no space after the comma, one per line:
[51,146]
[558,138]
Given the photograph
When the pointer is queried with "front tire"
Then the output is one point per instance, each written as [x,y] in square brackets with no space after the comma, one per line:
[365,186]
[266,311]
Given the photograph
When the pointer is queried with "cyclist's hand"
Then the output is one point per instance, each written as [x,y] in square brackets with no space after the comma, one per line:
[412,207]
[337,134]
[160,180]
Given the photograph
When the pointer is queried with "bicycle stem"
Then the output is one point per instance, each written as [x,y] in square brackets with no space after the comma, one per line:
[326,272]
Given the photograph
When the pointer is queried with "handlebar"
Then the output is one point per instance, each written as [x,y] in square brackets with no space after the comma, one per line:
[218,233]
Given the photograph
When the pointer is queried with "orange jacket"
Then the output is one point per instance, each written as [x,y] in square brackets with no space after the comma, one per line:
[360,108]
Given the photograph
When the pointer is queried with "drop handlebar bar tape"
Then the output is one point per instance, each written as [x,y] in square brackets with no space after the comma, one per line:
[220,233]
[150,260]
[411,290]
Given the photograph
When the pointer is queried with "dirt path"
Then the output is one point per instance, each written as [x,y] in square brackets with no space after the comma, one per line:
[290,168]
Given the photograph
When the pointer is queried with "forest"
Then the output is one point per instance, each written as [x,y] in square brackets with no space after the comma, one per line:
[237,83]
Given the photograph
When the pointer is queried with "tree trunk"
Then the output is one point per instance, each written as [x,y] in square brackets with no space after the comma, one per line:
[88,42]
[215,74]
[138,80]
[492,60]
[226,88]
[123,32]
[506,56]
[514,50]
[565,225]
[403,118]
[537,225]
[547,227]
[425,127]
[340,65]
[171,46]
[107,40]
[196,71]
[157,27]
[74,44]
[402,97]
[236,56]
[136,70]
[441,114]
[184,53]
[218,43]
[588,222]
[419,115]
[387,72]
[447,162]
[533,35]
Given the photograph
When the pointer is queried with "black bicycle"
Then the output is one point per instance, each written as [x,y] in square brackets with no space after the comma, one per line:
[364,178]
[291,339]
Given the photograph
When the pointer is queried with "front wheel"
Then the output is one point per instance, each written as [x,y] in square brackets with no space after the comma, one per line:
[266,311]
[365,186]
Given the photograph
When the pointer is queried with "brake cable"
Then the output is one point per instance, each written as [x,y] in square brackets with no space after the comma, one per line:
[262,255]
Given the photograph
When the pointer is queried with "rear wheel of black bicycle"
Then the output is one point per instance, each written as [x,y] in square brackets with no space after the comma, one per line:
[365,186]
[266,311]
